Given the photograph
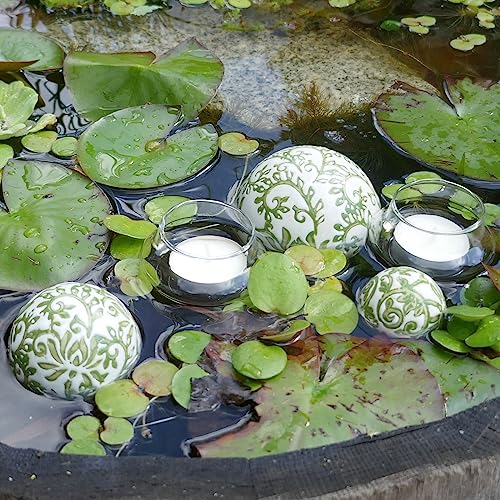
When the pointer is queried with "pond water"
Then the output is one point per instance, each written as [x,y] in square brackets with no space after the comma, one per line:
[258,88]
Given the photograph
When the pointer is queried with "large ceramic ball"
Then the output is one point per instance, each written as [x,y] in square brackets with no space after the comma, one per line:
[310,195]
[71,339]
[402,302]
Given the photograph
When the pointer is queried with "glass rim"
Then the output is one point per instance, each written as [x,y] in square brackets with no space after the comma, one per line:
[445,183]
[244,248]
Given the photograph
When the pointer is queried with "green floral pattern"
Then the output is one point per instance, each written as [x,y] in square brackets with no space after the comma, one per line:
[402,302]
[71,339]
[309,195]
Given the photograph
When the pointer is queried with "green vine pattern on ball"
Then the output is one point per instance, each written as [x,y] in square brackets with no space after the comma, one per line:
[53,340]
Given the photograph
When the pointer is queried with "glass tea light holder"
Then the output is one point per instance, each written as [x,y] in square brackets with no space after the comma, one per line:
[435,226]
[203,252]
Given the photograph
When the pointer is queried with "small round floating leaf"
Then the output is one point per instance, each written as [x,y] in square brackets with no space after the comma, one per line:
[124,247]
[409,21]
[460,329]
[83,447]
[310,259]
[390,25]
[155,376]
[421,176]
[6,153]
[121,399]
[137,277]
[295,327]
[331,312]
[332,284]
[192,2]
[65,146]
[487,333]
[468,313]
[237,144]
[335,261]
[121,224]
[259,361]
[39,142]
[480,292]
[444,339]
[484,15]
[188,345]
[158,207]
[181,383]
[390,190]
[467,42]
[117,431]
[240,4]
[492,213]
[421,30]
[277,284]
[84,427]
[426,20]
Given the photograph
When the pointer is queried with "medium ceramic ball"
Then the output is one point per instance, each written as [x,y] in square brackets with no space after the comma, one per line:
[71,339]
[310,195]
[402,302]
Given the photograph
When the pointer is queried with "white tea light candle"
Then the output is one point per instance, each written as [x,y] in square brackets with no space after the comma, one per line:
[208,259]
[420,236]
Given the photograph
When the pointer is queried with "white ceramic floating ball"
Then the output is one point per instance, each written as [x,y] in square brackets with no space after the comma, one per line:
[311,195]
[71,339]
[402,302]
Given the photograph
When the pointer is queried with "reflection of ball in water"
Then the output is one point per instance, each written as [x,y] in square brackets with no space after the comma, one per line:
[311,195]
[402,302]
[71,339]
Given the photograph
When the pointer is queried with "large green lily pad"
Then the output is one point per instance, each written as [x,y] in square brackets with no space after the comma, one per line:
[52,230]
[29,50]
[459,135]
[297,410]
[188,76]
[130,148]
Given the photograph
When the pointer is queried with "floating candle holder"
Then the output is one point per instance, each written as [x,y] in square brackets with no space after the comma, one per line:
[435,226]
[204,249]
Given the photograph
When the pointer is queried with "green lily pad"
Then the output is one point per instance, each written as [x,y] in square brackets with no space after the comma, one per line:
[297,410]
[423,175]
[6,154]
[259,361]
[130,148]
[84,427]
[492,213]
[133,228]
[459,136]
[237,144]
[295,327]
[117,431]
[189,75]
[155,376]
[181,383]
[468,42]
[340,4]
[461,329]
[421,30]
[332,284]
[390,25]
[17,103]
[52,231]
[391,189]
[335,261]
[83,447]
[240,4]
[137,277]
[480,292]
[331,312]
[121,399]
[449,342]
[468,313]
[188,345]
[124,247]
[158,207]
[28,50]
[65,146]
[277,284]
[487,333]
[39,142]
[310,259]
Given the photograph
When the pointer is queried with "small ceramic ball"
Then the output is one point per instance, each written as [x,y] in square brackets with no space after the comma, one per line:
[71,339]
[402,302]
[310,195]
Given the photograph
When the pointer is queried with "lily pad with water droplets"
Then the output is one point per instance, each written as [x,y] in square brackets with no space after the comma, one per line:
[29,50]
[137,277]
[52,230]
[331,284]
[236,144]
[131,148]
[310,259]
[133,228]
[181,383]
[335,261]
[117,431]
[187,76]
[121,399]
[6,154]
[259,361]
[188,345]
[459,135]
[444,339]
[39,142]
[158,207]
[84,427]
[154,376]
[65,146]
[83,447]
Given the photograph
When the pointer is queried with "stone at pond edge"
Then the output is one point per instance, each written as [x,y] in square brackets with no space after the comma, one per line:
[402,302]
[85,338]
[309,195]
